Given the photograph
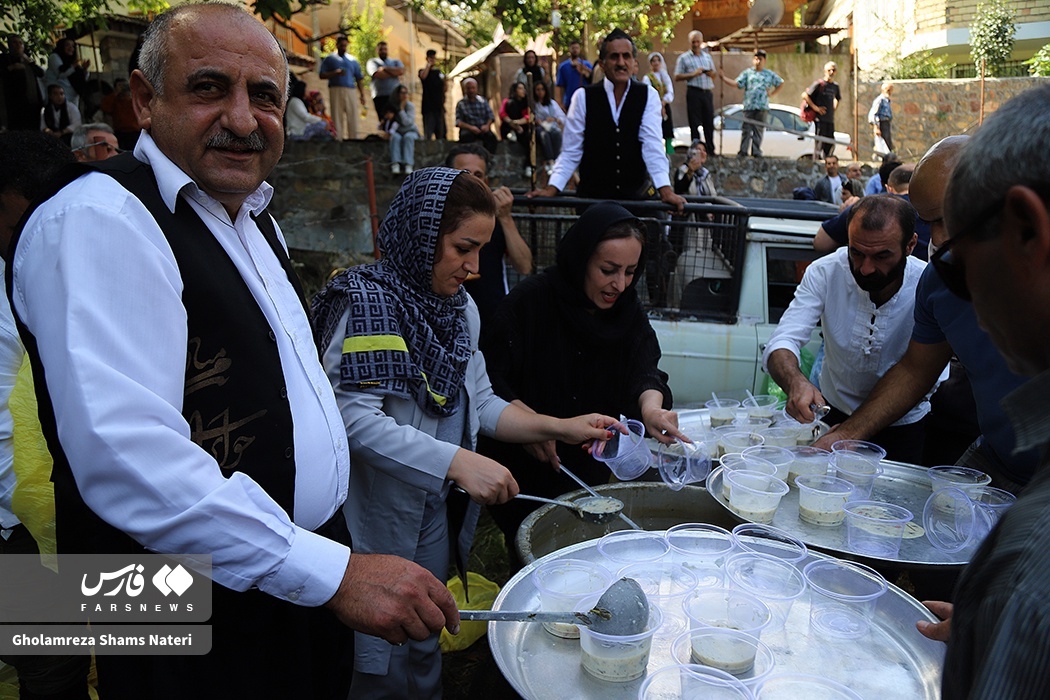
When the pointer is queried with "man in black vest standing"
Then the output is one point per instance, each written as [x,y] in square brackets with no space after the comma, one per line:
[613,134]
[180,390]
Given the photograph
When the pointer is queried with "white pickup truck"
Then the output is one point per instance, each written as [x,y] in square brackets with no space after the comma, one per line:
[701,354]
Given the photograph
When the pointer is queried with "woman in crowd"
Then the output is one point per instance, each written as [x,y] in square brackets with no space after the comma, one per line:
[573,338]
[664,86]
[550,122]
[299,124]
[403,132]
[399,343]
[63,68]
[315,103]
[514,122]
[531,67]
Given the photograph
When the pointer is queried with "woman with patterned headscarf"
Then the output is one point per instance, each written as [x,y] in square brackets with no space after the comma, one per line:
[399,342]
[661,81]
[572,338]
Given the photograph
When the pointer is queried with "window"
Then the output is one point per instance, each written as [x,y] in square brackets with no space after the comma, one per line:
[731,120]
[784,269]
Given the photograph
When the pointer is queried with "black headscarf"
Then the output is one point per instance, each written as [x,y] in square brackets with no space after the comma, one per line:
[573,255]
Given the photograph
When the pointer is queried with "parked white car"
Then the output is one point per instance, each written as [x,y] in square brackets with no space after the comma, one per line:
[775,143]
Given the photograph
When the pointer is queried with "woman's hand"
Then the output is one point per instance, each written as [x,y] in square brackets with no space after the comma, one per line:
[587,428]
[488,482]
[544,452]
[662,425]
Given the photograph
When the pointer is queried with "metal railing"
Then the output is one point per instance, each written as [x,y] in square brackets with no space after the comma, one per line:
[693,260]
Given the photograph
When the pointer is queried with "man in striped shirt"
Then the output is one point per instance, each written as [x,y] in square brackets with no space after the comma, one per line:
[697,69]
[999,256]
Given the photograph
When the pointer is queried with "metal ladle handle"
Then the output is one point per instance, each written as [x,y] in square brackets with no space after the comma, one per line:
[594,493]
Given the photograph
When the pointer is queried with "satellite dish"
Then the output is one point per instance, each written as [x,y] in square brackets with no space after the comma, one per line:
[765,13]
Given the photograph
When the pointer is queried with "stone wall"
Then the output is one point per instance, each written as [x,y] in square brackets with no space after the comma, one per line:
[321,189]
[925,111]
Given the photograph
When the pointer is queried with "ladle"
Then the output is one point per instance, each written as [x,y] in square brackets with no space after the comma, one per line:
[622,610]
[588,489]
[593,509]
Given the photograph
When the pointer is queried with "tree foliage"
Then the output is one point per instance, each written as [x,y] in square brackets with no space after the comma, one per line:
[920,65]
[647,21]
[992,36]
[1039,64]
[40,22]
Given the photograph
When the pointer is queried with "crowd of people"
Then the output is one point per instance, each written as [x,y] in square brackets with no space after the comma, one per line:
[152,294]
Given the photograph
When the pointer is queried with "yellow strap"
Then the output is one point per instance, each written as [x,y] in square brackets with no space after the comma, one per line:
[368,343]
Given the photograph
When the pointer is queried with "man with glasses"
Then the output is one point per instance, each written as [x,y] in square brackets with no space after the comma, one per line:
[823,96]
[999,256]
[93,142]
[863,296]
[945,324]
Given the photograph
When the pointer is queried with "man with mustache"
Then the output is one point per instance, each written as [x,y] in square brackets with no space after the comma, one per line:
[180,390]
[863,296]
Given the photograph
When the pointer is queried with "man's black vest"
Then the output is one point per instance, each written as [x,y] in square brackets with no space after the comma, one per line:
[235,398]
[612,166]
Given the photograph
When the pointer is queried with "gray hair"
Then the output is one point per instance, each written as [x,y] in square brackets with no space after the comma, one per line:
[80,134]
[999,156]
[155,46]
[696,32]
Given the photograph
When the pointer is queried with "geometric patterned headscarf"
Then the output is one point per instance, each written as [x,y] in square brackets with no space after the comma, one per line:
[401,338]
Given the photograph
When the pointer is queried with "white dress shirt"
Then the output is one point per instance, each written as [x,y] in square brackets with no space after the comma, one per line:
[861,340]
[651,135]
[11,353]
[98,286]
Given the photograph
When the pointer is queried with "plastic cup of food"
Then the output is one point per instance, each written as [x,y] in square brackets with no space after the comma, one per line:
[963,478]
[727,608]
[755,496]
[569,584]
[739,440]
[751,423]
[859,449]
[617,658]
[627,456]
[766,539]
[859,472]
[701,548]
[808,460]
[735,461]
[737,653]
[722,411]
[791,686]
[779,436]
[632,546]
[780,457]
[775,582]
[843,597]
[822,499]
[666,585]
[682,463]
[876,528]
[693,682]
[761,406]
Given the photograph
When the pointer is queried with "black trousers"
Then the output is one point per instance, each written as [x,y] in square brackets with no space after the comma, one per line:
[826,129]
[700,106]
[262,647]
[886,130]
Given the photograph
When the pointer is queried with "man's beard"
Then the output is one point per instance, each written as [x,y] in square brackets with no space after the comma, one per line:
[877,281]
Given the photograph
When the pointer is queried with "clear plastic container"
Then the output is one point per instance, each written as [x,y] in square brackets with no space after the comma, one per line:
[755,496]
[793,686]
[701,548]
[761,406]
[722,411]
[693,682]
[808,460]
[766,539]
[843,597]
[876,528]
[631,546]
[969,480]
[822,499]
[665,584]
[735,461]
[568,585]
[780,457]
[728,608]
[627,456]
[618,658]
[740,654]
[862,473]
[682,463]
[776,582]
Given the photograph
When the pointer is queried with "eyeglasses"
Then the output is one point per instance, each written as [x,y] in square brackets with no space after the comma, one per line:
[950,269]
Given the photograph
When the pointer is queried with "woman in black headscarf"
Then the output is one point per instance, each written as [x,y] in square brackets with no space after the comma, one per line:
[577,338]
[398,339]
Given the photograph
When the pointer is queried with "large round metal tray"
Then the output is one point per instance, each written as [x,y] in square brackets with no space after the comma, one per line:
[892,661]
[906,485]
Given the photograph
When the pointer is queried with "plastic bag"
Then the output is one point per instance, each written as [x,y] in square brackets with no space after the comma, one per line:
[482,595]
[771,387]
